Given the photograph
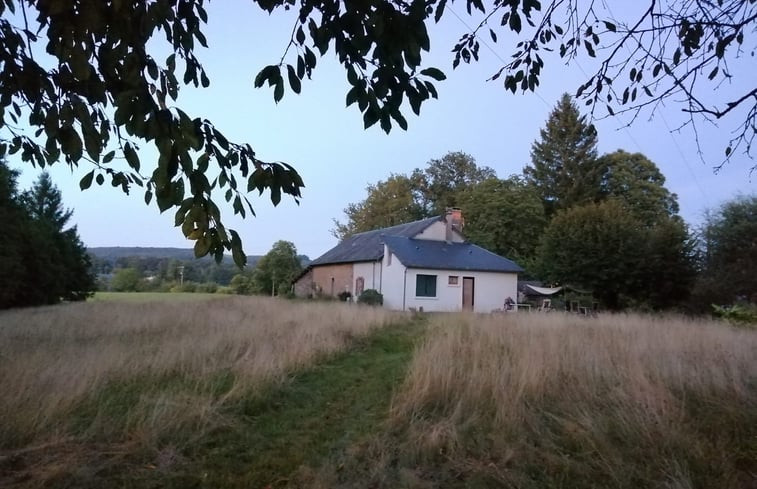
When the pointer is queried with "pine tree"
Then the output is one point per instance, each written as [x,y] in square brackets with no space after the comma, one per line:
[564,166]
[41,261]
[68,268]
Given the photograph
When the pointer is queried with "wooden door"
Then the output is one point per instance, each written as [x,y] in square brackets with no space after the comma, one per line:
[468,292]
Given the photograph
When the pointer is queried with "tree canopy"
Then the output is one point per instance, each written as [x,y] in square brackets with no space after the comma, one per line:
[426,192]
[564,167]
[104,94]
[41,260]
[504,216]
[389,202]
[729,237]
[639,184]
[276,270]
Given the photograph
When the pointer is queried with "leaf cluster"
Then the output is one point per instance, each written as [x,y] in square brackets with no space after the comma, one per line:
[106,95]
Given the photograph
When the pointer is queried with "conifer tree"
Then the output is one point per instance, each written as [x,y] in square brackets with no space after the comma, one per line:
[41,261]
[564,166]
[69,275]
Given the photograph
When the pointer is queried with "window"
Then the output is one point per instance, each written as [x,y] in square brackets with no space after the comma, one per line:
[389,259]
[453,280]
[425,285]
[359,286]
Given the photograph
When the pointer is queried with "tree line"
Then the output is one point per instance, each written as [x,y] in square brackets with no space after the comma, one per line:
[42,259]
[270,274]
[604,223]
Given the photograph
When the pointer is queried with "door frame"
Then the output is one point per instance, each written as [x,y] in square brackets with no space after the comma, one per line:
[472,281]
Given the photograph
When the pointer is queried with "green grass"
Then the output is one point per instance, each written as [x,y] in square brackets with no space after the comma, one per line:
[309,419]
[152,296]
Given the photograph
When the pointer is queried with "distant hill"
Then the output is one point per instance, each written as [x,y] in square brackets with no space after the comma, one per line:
[113,253]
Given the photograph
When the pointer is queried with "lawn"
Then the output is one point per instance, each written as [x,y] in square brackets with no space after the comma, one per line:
[255,392]
[152,296]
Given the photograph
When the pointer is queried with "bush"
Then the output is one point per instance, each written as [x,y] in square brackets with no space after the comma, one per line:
[371,297]
[186,287]
[344,296]
[207,287]
[745,314]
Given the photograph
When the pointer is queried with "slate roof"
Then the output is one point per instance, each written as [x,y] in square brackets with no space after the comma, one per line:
[369,246]
[441,255]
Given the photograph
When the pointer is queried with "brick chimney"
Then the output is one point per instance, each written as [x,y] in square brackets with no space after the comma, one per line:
[454,220]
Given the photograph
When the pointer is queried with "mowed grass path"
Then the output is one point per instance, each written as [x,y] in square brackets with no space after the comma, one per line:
[311,420]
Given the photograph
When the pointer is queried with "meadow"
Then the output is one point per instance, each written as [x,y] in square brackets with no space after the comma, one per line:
[258,392]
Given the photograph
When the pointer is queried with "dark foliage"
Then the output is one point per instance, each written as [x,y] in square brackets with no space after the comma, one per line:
[371,297]
[41,261]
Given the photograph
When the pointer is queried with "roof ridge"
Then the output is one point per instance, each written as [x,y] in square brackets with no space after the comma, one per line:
[379,230]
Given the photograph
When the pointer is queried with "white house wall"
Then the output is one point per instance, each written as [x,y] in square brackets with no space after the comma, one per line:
[371,273]
[438,232]
[490,290]
[392,280]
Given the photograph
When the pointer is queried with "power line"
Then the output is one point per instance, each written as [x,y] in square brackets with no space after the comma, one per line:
[495,53]
[670,132]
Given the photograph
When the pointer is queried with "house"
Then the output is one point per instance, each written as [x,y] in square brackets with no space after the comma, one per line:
[424,264]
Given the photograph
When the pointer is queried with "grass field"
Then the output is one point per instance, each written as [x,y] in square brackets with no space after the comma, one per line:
[255,392]
[152,296]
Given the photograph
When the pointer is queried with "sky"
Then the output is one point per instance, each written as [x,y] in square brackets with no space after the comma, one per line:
[337,158]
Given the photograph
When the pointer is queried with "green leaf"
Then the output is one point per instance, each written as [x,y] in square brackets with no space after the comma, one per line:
[237,253]
[278,91]
[109,156]
[610,27]
[131,156]
[202,246]
[86,182]
[294,82]
[100,179]
[515,21]
[371,116]
[434,73]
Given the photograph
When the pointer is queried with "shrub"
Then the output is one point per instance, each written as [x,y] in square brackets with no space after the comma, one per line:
[371,297]
[207,287]
[186,287]
[344,296]
[737,313]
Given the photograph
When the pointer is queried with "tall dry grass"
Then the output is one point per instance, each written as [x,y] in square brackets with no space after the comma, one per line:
[534,400]
[135,373]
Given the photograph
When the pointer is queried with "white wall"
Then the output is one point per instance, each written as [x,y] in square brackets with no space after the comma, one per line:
[392,281]
[371,273]
[438,232]
[490,290]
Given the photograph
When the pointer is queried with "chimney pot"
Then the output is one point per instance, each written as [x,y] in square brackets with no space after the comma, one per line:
[453,219]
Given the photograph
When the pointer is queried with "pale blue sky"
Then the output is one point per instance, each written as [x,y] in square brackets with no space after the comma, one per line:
[337,158]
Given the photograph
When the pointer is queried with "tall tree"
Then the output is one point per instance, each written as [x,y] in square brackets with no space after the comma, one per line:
[106,90]
[66,252]
[13,240]
[606,248]
[597,246]
[564,167]
[730,256]
[504,216]
[636,181]
[41,262]
[388,203]
[277,269]
[443,180]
